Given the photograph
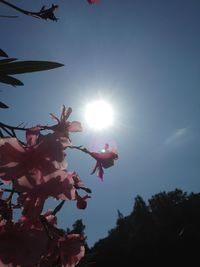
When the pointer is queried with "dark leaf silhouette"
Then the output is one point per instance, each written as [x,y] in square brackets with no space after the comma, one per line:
[10,80]
[2,53]
[2,105]
[7,60]
[9,66]
[27,66]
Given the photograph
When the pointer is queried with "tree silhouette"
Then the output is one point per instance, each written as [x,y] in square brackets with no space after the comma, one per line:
[164,231]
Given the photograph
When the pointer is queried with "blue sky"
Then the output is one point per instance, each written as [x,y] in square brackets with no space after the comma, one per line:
[144,57]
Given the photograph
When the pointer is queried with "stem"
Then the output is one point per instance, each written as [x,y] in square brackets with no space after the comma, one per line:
[3,126]
[81,148]
[10,130]
[15,7]
[42,14]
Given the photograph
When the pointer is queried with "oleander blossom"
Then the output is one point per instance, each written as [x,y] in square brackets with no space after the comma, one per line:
[64,127]
[38,158]
[37,170]
[62,185]
[104,159]
[38,243]
[21,245]
[91,2]
[41,155]
[71,249]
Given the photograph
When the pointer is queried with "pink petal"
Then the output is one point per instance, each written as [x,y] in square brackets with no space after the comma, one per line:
[82,201]
[32,135]
[74,126]
[32,205]
[54,117]
[65,114]
[59,184]
[51,219]
[10,150]
[98,169]
[104,155]
[72,250]
[92,1]
[21,246]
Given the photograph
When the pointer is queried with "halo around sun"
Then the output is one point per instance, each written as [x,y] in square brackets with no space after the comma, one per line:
[99,115]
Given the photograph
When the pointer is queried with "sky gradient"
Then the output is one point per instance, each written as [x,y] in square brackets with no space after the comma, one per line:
[144,57]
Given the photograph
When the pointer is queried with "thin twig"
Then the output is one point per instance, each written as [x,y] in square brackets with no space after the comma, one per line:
[81,148]
[3,125]
[7,131]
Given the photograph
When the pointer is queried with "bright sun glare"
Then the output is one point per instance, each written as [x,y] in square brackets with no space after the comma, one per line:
[99,115]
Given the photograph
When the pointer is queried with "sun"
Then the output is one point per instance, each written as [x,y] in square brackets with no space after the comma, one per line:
[99,115]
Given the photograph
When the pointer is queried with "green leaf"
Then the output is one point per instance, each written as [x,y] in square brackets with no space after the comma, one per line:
[27,66]
[7,60]
[2,53]
[10,80]
[2,105]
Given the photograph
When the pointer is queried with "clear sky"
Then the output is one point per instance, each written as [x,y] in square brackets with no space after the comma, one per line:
[144,57]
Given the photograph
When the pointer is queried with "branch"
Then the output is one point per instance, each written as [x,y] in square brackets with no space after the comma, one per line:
[3,125]
[81,148]
[42,14]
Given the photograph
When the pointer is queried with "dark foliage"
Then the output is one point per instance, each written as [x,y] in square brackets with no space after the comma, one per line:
[9,67]
[164,232]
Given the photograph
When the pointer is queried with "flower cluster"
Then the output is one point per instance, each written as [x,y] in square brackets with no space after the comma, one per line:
[37,170]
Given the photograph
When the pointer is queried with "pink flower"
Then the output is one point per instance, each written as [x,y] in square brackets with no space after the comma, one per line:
[81,201]
[39,243]
[64,127]
[32,205]
[92,1]
[71,249]
[51,219]
[21,245]
[40,157]
[104,159]
[60,185]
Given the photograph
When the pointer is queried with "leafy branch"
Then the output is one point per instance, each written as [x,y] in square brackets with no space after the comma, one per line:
[43,13]
[10,66]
